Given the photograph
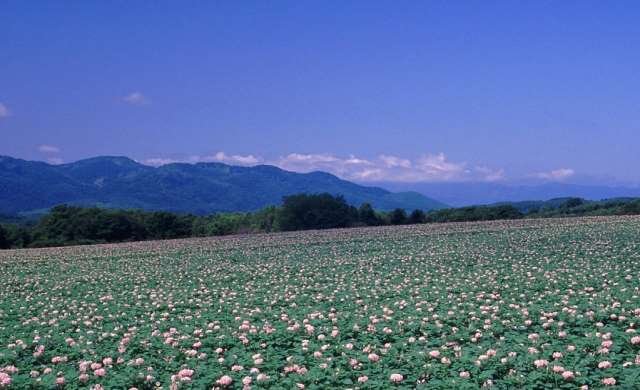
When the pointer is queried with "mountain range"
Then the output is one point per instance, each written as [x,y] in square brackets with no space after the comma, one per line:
[119,182]
[479,193]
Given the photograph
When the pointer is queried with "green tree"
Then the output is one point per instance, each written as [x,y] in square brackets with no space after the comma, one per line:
[4,238]
[417,216]
[18,236]
[398,217]
[265,220]
[315,211]
[367,215]
[162,225]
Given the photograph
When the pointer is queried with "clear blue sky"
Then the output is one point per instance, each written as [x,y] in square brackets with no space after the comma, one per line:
[428,90]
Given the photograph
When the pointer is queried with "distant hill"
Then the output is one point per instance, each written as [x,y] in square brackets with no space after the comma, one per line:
[466,194]
[578,206]
[32,187]
[526,206]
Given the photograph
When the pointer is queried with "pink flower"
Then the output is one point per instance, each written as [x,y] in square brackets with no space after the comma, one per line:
[635,340]
[604,364]
[363,379]
[540,363]
[58,359]
[5,379]
[568,375]
[39,350]
[396,378]
[225,380]
[100,372]
[373,357]
[434,354]
[185,373]
[60,381]
[558,369]
[465,374]
[609,381]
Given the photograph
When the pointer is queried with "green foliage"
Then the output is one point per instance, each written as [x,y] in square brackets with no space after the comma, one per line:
[367,216]
[68,225]
[631,208]
[4,238]
[223,224]
[72,225]
[397,217]
[162,224]
[474,213]
[315,211]
[572,207]
[417,216]
[18,236]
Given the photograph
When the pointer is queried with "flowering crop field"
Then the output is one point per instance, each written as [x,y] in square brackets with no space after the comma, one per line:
[520,304]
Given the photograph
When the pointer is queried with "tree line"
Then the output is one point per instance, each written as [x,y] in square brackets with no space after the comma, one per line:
[73,225]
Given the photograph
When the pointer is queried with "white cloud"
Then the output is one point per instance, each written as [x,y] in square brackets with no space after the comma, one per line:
[357,161]
[309,160]
[4,111]
[236,159]
[557,174]
[438,167]
[343,167]
[158,161]
[136,98]
[429,167]
[222,157]
[48,149]
[490,175]
[369,174]
[55,160]
[393,161]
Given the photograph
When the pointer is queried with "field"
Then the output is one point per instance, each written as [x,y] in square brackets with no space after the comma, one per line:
[520,304]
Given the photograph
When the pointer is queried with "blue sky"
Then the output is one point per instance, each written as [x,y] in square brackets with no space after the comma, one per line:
[404,91]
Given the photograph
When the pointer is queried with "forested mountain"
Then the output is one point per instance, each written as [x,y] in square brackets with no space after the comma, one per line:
[30,186]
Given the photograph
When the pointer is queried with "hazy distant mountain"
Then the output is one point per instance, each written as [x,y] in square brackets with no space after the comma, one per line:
[465,194]
[27,186]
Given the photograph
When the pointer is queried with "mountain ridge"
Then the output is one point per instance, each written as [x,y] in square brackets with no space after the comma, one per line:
[206,187]
[484,193]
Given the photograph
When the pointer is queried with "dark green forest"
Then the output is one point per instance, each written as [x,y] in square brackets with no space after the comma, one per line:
[72,225]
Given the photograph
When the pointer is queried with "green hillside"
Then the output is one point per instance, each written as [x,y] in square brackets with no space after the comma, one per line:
[200,188]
